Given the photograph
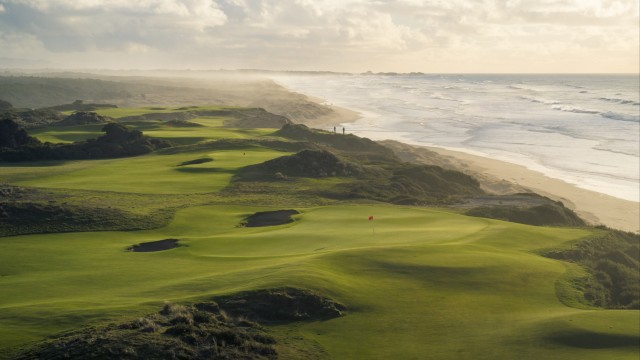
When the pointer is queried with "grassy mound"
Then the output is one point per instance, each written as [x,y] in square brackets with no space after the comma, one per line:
[80,105]
[306,163]
[281,305]
[247,118]
[612,260]
[84,118]
[270,218]
[551,214]
[17,218]
[164,116]
[118,141]
[202,331]
[182,123]
[410,184]
[225,329]
[349,145]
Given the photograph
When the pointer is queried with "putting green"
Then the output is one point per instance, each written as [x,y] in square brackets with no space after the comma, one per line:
[423,283]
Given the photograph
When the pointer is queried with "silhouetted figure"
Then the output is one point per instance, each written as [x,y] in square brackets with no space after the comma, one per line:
[342,131]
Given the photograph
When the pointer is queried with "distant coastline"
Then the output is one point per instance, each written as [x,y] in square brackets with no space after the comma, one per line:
[502,177]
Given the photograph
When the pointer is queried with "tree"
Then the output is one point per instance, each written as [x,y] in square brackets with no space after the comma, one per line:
[13,136]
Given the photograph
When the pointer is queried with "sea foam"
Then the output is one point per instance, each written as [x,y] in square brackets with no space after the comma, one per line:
[581,129]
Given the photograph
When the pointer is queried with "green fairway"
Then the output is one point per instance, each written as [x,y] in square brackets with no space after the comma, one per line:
[418,283]
[150,174]
[424,282]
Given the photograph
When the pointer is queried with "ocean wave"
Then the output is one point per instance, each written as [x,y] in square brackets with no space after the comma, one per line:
[602,147]
[620,101]
[621,117]
[574,109]
[438,96]
[539,100]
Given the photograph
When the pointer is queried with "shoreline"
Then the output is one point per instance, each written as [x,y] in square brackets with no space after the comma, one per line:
[502,177]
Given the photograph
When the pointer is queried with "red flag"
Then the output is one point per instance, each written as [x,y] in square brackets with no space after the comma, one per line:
[371,217]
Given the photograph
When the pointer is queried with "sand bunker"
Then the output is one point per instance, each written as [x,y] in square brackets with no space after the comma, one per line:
[152,246]
[270,218]
[196,161]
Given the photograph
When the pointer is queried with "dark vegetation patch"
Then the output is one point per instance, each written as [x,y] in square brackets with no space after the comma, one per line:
[79,105]
[35,211]
[248,118]
[196,161]
[239,144]
[270,218]
[392,182]
[348,145]
[118,141]
[281,305]
[410,184]
[170,116]
[235,117]
[306,163]
[612,259]
[29,118]
[84,118]
[176,332]
[18,218]
[530,209]
[182,123]
[225,329]
[583,339]
[158,245]
[5,105]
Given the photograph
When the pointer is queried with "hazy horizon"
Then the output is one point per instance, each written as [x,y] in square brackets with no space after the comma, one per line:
[354,36]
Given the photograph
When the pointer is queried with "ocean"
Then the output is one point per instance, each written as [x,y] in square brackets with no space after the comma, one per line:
[583,129]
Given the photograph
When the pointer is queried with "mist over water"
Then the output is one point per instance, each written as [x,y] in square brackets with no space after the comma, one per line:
[584,129]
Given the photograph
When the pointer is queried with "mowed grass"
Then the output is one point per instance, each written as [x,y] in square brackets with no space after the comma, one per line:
[422,284]
[150,174]
[123,112]
[67,134]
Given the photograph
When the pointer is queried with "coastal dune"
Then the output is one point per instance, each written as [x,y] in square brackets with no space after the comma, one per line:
[501,177]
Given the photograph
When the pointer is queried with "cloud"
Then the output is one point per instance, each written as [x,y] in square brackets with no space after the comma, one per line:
[317,34]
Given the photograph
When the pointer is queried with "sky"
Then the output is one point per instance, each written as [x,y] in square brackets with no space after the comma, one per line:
[432,36]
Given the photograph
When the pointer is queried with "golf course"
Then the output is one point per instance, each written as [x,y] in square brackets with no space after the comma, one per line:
[417,279]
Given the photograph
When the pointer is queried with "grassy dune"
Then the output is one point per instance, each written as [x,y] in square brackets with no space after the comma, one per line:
[423,283]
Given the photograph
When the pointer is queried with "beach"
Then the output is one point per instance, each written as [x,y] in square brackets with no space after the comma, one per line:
[502,177]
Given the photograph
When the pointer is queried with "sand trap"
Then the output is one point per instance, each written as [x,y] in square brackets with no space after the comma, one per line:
[195,161]
[270,218]
[152,246]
